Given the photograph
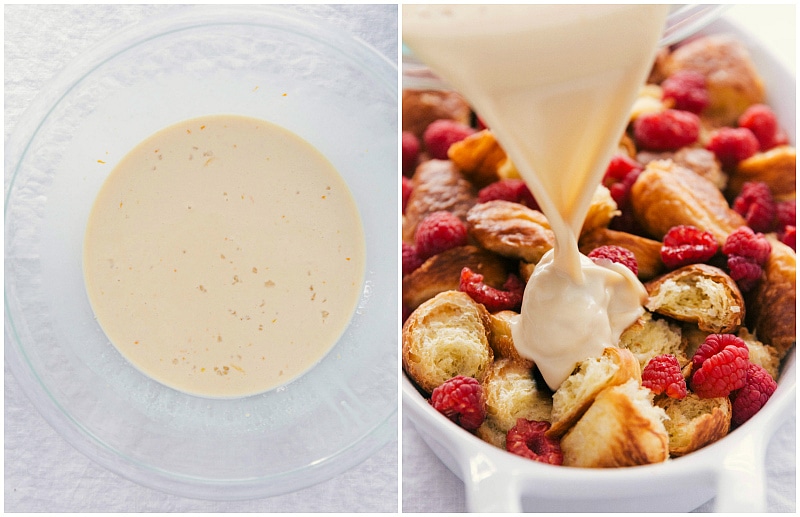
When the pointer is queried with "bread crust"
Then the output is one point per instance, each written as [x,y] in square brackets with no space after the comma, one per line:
[421,107]
[593,375]
[776,167]
[442,272]
[773,302]
[511,392]
[698,293]
[694,422]
[511,229]
[667,195]
[445,337]
[620,429]
[479,157]
[438,185]
[732,80]
[502,341]
[647,251]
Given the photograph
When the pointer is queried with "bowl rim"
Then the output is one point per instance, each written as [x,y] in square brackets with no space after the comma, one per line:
[352,49]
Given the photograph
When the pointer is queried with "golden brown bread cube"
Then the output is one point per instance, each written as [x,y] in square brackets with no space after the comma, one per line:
[698,293]
[479,157]
[444,337]
[421,107]
[510,229]
[648,337]
[647,251]
[732,80]
[591,376]
[694,423]
[765,356]
[772,305]
[697,159]
[621,428]
[502,341]
[776,167]
[667,195]
[438,185]
[511,392]
[442,272]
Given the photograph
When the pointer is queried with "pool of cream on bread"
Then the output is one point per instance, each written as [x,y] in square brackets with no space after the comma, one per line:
[656,329]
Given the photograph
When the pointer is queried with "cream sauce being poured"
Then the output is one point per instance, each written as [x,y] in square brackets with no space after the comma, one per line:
[555,83]
[224,256]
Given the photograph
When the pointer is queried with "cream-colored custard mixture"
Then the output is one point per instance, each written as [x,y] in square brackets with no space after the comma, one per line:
[555,83]
[224,256]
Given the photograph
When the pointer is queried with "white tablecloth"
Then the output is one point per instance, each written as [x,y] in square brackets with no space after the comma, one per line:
[43,473]
[428,485]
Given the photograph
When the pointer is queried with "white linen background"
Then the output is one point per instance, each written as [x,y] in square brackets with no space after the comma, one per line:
[43,473]
[429,486]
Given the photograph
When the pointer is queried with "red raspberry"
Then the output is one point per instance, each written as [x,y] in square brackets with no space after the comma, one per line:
[513,190]
[621,174]
[617,254]
[439,232]
[495,300]
[666,130]
[684,245]
[785,214]
[663,374]
[528,439]
[756,204]
[688,91]
[461,400]
[789,237]
[761,120]
[410,152]
[408,187]
[731,145]
[411,260]
[443,133]
[719,366]
[747,253]
[751,398]
[746,243]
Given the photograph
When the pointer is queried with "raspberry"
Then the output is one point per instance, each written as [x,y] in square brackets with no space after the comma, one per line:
[666,130]
[758,388]
[731,145]
[461,400]
[439,232]
[620,175]
[663,374]
[719,366]
[408,187]
[746,243]
[513,190]
[745,272]
[761,120]
[684,245]
[495,300]
[410,149]
[785,214]
[411,260]
[756,205]
[528,439]
[747,253]
[789,237]
[617,254]
[687,89]
[443,133]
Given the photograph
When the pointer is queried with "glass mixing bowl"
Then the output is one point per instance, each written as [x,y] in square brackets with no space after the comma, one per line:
[329,88]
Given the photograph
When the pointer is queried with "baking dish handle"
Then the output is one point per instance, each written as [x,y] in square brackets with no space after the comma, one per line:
[741,480]
[488,489]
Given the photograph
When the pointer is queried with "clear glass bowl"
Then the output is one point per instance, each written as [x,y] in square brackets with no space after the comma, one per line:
[329,88]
